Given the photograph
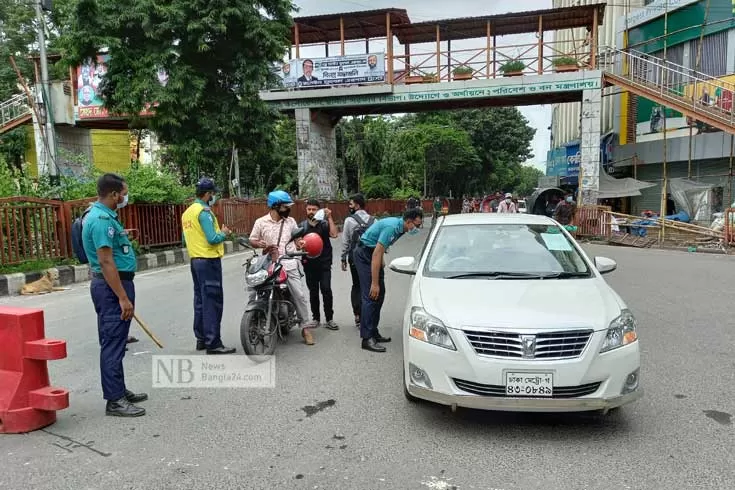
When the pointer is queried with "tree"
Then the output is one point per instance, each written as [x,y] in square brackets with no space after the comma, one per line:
[217,57]
[527,180]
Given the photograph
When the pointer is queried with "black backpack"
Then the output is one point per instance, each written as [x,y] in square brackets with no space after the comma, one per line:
[361,227]
[77,244]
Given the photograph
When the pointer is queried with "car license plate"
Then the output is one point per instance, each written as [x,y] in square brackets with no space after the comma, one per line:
[529,384]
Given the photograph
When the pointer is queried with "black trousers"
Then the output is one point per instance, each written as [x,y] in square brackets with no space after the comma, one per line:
[355,293]
[319,279]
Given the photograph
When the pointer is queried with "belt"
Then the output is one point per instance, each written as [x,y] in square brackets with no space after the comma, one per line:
[205,258]
[124,276]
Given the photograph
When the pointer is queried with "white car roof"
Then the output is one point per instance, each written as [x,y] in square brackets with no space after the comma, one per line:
[497,219]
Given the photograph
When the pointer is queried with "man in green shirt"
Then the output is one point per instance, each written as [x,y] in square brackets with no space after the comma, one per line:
[113,264]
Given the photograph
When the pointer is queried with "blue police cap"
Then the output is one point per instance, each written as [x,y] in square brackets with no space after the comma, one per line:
[207,185]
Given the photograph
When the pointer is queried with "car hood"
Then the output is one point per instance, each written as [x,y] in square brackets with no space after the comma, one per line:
[535,304]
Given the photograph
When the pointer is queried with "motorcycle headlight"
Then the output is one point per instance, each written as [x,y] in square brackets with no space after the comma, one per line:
[622,331]
[429,329]
[257,278]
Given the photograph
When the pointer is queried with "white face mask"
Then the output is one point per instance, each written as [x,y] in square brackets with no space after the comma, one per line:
[121,205]
[507,201]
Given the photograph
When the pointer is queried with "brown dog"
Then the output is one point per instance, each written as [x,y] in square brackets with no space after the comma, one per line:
[44,285]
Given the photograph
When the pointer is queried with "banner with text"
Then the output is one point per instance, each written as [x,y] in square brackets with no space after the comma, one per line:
[335,70]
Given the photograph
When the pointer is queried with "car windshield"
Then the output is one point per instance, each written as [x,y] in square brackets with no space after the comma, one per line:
[504,251]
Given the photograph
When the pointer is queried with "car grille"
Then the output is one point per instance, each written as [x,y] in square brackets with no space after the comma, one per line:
[499,391]
[547,345]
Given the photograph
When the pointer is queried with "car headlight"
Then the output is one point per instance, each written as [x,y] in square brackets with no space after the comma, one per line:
[622,331]
[429,329]
[257,278]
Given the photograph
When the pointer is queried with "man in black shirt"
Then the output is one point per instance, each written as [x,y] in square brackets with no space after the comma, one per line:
[319,270]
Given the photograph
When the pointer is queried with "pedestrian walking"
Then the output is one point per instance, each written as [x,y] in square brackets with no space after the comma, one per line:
[113,264]
[318,270]
[272,233]
[370,262]
[507,205]
[354,226]
[204,241]
[565,210]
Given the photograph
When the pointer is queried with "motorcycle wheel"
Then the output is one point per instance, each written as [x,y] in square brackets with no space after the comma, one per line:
[251,328]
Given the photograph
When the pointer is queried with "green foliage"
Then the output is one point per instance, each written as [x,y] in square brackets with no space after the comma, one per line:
[404,194]
[8,178]
[463,70]
[35,265]
[149,184]
[377,186]
[565,61]
[527,180]
[217,55]
[513,66]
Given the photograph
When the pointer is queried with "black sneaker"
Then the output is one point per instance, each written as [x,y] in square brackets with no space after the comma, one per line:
[123,408]
[201,345]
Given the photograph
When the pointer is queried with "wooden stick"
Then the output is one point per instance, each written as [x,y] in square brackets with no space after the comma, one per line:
[147,331]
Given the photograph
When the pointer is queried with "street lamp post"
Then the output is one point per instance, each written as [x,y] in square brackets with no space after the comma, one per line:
[48,124]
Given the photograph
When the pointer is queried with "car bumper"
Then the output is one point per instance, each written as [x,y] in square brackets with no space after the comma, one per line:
[524,404]
[449,373]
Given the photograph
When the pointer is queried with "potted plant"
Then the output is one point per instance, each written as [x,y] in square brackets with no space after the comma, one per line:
[463,72]
[430,78]
[513,68]
[410,79]
[565,64]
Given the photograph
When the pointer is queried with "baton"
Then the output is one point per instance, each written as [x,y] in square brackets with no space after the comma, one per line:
[147,331]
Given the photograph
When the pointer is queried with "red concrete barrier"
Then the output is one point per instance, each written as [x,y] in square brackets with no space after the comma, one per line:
[27,401]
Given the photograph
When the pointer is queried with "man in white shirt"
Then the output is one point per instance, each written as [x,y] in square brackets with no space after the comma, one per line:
[507,205]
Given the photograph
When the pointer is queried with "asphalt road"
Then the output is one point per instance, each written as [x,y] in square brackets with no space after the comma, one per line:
[338,419]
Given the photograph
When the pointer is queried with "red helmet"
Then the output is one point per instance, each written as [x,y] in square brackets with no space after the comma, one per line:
[313,245]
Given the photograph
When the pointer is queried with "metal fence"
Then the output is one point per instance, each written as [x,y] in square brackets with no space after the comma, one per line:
[729,226]
[39,229]
[593,222]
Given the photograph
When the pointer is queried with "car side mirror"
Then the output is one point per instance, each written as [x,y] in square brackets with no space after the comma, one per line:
[605,265]
[404,265]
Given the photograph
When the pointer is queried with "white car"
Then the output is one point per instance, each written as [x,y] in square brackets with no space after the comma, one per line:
[522,206]
[506,312]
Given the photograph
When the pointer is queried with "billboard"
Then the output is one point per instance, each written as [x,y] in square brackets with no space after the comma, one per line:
[564,161]
[89,78]
[650,115]
[335,70]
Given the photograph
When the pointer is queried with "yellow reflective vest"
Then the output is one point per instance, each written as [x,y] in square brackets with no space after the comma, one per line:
[196,241]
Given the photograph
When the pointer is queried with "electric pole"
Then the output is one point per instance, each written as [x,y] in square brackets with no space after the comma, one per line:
[45,95]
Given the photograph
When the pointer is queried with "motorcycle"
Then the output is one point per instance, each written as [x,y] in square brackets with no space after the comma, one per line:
[272,314]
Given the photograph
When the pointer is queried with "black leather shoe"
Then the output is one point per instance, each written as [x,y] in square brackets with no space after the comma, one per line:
[123,408]
[221,350]
[135,397]
[201,345]
[372,345]
[381,339]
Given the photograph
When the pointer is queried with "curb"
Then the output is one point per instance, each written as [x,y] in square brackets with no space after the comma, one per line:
[11,284]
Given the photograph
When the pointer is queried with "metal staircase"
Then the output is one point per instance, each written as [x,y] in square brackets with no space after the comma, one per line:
[14,112]
[696,95]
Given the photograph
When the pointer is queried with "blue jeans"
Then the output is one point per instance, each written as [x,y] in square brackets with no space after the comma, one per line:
[208,301]
[113,335]
[370,314]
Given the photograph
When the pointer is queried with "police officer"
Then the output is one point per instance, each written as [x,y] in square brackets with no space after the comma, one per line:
[370,264]
[113,264]
[204,243]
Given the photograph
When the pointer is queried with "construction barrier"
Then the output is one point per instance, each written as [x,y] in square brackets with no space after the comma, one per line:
[730,226]
[27,401]
[592,222]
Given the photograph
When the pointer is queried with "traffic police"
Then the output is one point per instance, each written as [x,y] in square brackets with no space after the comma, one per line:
[204,239]
[113,265]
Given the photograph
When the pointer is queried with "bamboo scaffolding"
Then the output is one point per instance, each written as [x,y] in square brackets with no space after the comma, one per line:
[665,223]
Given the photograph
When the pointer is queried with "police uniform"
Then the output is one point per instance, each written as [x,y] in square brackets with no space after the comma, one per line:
[204,243]
[385,231]
[102,229]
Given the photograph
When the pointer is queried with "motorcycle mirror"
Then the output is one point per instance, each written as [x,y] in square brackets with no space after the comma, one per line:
[298,233]
[245,242]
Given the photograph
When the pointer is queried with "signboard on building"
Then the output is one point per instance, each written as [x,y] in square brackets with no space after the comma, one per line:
[564,161]
[650,116]
[89,80]
[335,70]
[654,10]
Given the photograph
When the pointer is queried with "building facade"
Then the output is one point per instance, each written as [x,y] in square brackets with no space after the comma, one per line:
[698,37]
[566,118]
